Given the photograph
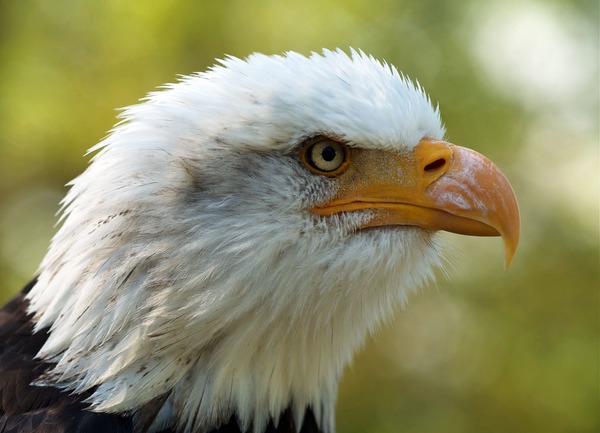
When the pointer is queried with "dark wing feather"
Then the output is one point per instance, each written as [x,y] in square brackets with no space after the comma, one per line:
[27,409]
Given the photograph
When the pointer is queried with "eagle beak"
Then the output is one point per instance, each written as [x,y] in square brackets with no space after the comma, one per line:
[438,186]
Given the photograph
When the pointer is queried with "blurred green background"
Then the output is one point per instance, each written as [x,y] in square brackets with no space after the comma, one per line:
[480,351]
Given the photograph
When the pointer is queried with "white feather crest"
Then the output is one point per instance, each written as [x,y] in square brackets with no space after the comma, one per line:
[188,261]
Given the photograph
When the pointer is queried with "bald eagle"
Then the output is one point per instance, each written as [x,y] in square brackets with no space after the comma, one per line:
[234,240]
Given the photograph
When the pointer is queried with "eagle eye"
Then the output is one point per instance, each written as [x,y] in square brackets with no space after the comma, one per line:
[325,156]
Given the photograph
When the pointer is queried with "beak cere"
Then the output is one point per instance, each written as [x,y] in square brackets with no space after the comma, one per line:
[436,185]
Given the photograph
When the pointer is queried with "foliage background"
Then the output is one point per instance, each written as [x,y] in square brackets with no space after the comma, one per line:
[481,351]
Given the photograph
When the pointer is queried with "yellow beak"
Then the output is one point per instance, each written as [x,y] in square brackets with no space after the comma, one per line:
[437,186]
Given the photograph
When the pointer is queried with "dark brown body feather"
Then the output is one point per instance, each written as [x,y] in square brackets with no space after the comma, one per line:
[25,408]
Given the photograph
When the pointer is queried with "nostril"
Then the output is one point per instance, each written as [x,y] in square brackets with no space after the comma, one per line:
[435,165]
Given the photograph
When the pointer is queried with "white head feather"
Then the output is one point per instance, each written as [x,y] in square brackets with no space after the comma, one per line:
[188,260]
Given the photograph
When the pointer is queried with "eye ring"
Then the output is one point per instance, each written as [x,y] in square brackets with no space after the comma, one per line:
[326,156]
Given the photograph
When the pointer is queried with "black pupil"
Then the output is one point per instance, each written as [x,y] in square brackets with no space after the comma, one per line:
[328,153]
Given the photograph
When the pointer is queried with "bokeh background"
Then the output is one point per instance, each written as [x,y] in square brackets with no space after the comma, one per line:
[480,351]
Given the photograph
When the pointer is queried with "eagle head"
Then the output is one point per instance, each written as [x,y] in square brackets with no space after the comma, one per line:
[239,233]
